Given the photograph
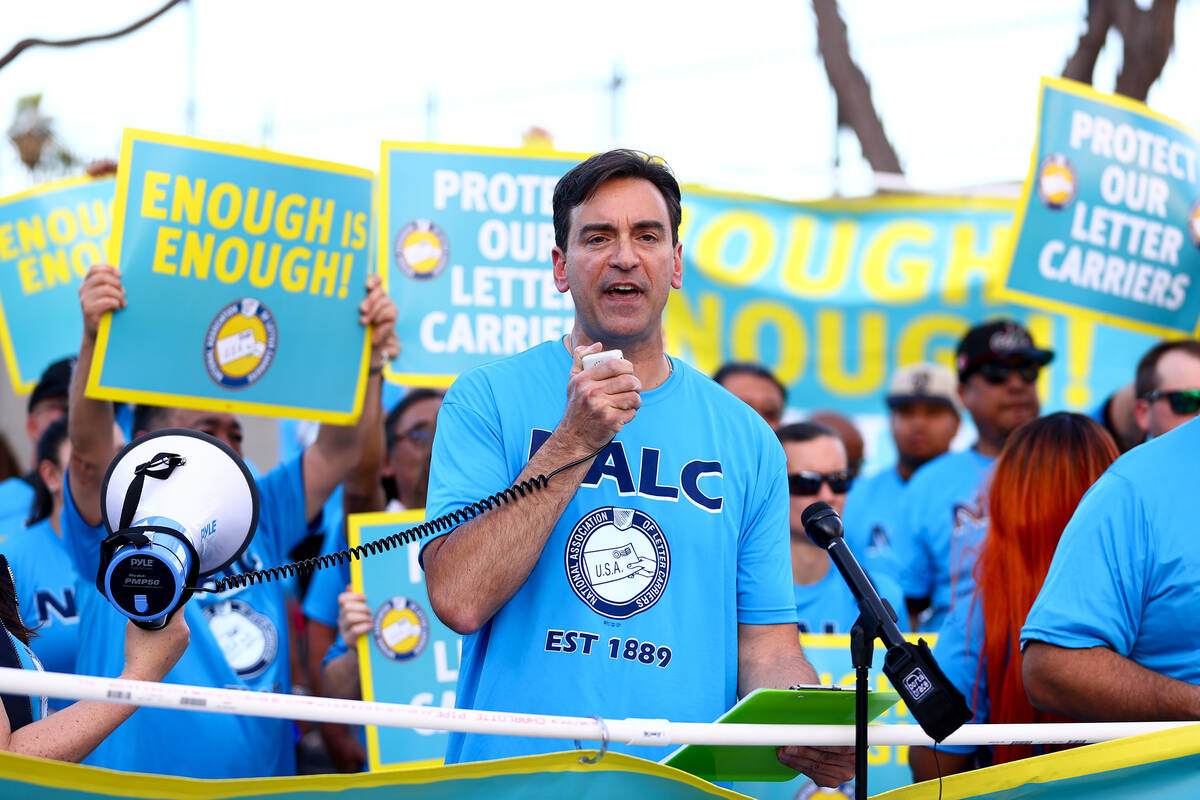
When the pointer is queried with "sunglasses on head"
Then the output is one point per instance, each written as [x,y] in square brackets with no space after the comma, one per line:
[809,483]
[997,372]
[1183,401]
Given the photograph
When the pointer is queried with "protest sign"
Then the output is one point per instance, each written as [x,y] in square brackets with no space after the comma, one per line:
[1109,223]
[49,236]
[465,253]
[243,271]
[409,656]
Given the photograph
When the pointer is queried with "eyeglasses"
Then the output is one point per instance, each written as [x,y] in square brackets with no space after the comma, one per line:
[809,483]
[997,372]
[1183,401]
[421,434]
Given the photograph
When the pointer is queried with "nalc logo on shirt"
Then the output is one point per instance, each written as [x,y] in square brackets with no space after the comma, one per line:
[400,629]
[247,638]
[618,561]
[240,343]
[422,249]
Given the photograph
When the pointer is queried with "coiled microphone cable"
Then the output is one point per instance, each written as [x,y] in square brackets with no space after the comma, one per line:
[443,524]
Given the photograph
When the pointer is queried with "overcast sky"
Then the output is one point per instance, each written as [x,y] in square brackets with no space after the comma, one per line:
[732,94]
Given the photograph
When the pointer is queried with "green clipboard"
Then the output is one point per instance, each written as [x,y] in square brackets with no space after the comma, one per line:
[808,705]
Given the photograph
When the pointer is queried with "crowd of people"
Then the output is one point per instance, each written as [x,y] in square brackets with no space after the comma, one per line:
[1045,611]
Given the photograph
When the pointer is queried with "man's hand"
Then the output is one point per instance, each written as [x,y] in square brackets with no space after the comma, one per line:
[827,766]
[354,616]
[100,293]
[600,401]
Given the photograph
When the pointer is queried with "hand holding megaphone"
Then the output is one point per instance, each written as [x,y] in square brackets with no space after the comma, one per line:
[179,505]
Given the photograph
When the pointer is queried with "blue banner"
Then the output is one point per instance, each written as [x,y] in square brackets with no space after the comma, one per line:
[49,236]
[1110,218]
[831,296]
[243,272]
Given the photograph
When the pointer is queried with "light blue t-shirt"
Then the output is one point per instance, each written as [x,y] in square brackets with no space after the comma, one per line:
[239,640]
[16,497]
[320,601]
[678,533]
[872,514]
[944,521]
[1126,571]
[45,578]
[828,606]
[959,652]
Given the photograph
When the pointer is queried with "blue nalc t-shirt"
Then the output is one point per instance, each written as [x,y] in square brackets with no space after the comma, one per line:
[1126,571]
[945,519]
[16,497]
[828,606]
[870,520]
[239,640]
[45,579]
[959,652]
[678,533]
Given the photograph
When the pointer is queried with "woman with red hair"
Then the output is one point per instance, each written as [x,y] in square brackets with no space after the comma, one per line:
[1043,472]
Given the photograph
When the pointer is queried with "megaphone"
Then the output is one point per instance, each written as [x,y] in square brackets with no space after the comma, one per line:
[179,505]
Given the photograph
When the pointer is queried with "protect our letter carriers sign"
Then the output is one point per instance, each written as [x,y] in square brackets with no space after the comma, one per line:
[1110,219]
[243,271]
[49,236]
[464,250]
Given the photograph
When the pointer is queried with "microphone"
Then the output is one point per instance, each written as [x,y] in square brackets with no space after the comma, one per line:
[937,706]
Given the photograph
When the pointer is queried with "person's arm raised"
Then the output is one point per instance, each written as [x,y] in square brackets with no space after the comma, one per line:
[90,422]
[1096,683]
[474,570]
[339,448]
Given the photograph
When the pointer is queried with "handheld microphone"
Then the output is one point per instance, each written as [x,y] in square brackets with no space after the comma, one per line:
[938,707]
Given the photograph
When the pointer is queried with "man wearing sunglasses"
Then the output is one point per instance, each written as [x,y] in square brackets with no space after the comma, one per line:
[945,508]
[817,472]
[1167,386]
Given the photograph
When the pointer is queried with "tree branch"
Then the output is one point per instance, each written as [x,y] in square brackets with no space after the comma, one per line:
[25,44]
[850,87]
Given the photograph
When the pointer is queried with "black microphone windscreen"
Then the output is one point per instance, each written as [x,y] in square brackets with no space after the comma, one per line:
[812,511]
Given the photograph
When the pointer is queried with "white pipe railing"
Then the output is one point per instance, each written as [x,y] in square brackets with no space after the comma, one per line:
[630,731]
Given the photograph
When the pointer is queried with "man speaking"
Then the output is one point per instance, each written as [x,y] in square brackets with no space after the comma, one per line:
[651,580]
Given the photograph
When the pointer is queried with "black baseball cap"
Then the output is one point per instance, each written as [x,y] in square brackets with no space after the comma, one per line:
[55,382]
[1001,340]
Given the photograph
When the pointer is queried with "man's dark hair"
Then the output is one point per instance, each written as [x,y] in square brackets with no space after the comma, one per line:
[1147,369]
[581,182]
[804,432]
[393,418]
[746,368]
[148,418]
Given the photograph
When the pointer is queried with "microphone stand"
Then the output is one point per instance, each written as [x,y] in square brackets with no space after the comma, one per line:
[862,647]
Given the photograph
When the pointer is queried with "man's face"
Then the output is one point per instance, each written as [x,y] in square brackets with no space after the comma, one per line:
[44,412]
[1001,396]
[620,263]
[1176,371]
[759,393]
[923,430]
[217,425]
[823,456]
[408,460]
